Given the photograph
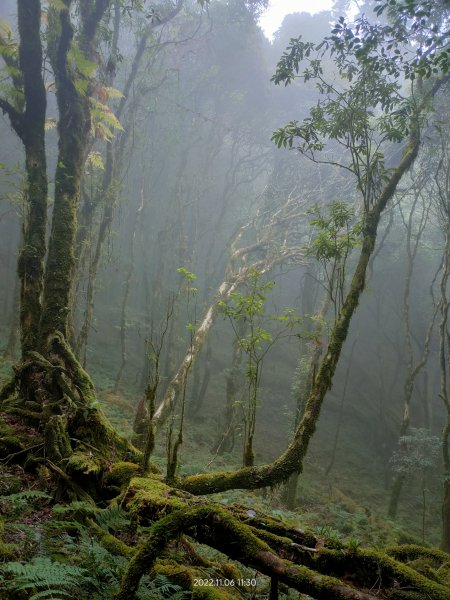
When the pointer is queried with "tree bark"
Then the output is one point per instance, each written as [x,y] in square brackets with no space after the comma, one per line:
[30,127]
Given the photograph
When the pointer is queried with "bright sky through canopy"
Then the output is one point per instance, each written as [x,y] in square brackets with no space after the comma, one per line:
[272,18]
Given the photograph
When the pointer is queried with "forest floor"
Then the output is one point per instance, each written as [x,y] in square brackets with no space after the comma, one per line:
[47,541]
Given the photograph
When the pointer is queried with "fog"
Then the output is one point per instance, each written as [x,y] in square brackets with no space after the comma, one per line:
[261,257]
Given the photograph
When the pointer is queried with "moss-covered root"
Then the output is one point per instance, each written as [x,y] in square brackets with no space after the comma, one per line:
[215,527]
[413,552]
[109,541]
[185,577]
[8,389]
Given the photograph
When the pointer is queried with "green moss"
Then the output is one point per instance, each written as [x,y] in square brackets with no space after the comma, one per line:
[12,440]
[57,443]
[211,593]
[9,484]
[443,574]
[121,473]
[8,551]
[422,566]
[92,427]
[367,564]
[153,468]
[412,551]
[116,546]
[182,576]
[406,595]
[83,462]
[230,571]
[149,498]
[29,416]
[10,444]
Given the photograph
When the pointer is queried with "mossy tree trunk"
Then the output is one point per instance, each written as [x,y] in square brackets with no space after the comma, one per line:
[56,396]
[29,125]
[305,380]
[13,337]
[73,131]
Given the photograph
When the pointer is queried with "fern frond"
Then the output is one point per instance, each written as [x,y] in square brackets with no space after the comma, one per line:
[51,595]
[56,578]
[25,496]
[78,509]
[161,587]
[114,517]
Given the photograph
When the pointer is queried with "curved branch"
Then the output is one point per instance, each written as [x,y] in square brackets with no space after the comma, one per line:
[15,117]
[215,527]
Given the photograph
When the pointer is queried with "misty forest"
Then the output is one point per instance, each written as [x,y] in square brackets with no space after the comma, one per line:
[224,301]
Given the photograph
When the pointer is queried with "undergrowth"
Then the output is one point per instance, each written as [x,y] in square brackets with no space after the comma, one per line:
[54,550]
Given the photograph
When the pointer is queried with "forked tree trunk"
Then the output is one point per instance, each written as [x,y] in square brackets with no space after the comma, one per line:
[73,131]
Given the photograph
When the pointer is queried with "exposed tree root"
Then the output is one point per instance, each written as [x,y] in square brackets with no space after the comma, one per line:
[54,396]
[299,559]
[214,526]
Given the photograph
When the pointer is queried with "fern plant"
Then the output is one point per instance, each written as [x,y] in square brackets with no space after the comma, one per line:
[159,588]
[22,501]
[43,578]
[113,518]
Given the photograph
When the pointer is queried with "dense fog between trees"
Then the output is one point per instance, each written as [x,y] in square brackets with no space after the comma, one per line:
[224,266]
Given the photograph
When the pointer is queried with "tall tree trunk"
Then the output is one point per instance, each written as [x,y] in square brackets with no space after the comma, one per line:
[444,364]
[13,337]
[290,491]
[126,293]
[73,131]
[30,127]
[412,370]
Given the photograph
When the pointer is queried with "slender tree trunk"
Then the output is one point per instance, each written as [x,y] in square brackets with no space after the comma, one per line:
[444,363]
[199,391]
[234,384]
[306,379]
[13,337]
[108,192]
[413,370]
[126,293]
[341,409]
